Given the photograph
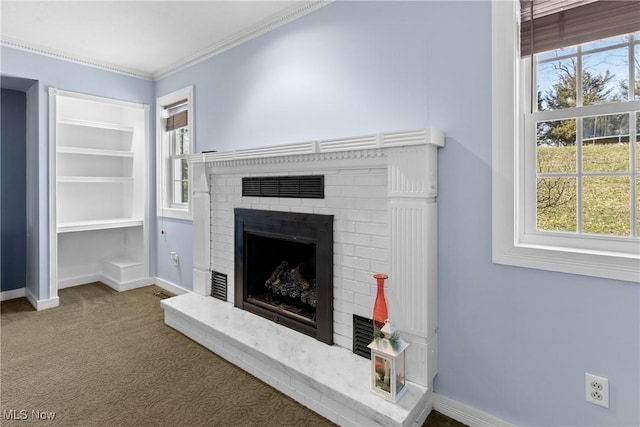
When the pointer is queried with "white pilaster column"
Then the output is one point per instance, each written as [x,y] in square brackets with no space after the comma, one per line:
[413,279]
[201,205]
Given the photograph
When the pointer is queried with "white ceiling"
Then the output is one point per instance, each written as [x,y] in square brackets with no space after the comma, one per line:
[145,38]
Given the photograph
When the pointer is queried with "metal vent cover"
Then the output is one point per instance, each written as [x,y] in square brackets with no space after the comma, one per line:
[219,285]
[301,187]
[362,336]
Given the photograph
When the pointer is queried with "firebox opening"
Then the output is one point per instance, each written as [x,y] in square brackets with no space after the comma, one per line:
[282,276]
[284,269]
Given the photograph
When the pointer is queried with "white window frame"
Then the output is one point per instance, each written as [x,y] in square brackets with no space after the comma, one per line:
[513,243]
[164,165]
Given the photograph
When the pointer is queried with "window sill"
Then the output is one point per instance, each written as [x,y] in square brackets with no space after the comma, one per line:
[605,265]
[182,214]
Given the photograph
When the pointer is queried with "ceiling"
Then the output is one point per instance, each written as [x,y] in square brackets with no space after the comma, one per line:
[148,39]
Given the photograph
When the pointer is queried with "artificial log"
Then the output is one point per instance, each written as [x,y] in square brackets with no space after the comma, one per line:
[274,279]
[292,283]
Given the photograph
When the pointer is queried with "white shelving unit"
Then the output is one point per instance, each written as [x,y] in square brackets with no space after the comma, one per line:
[98,187]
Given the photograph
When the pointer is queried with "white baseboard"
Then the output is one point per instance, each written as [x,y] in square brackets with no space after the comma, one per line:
[171,287]
[79,280]
[126,286]
[42,304]
[465,414]
[13,294]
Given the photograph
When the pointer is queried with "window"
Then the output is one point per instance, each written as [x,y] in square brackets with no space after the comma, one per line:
[175,144]
[566,167]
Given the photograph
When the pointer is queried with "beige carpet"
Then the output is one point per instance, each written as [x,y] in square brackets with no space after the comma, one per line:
[105,358]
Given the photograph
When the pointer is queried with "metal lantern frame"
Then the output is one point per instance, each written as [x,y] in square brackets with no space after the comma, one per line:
[388,378]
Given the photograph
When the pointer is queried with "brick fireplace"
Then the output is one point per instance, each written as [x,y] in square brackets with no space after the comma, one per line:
[381,191]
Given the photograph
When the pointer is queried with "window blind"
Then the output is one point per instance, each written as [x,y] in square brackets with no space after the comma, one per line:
[177,115]
[560,23]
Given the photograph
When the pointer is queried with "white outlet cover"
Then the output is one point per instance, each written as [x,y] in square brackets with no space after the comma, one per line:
[596,386]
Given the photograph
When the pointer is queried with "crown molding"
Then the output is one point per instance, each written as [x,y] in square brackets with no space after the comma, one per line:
[296,11]
[65,56]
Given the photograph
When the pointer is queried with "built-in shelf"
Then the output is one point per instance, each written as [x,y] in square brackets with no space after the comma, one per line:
[93,124]
[71,227]
[96,179]
[98,190]
[93,152]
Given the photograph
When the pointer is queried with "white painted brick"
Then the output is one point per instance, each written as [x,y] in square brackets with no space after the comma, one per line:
[374,204]
[343,318]
[342,202]
[333,191]
[380,266]
[380,216]
[343,342]
[381,242]
[373,179]
[357,263]
[371,253]
[340,225]
[346,249]
[353,238]
[338,180]
[341,329]
[355,215]
[364,192]
[363,300]
[343,272]
[343,295]
[375,229]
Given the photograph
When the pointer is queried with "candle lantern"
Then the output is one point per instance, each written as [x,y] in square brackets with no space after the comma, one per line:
[388,364]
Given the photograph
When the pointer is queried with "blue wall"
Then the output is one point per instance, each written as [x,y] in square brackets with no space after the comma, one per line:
[514,342]
[13,215]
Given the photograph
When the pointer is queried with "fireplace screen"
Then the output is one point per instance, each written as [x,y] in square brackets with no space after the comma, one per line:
[282,275]
[284,269]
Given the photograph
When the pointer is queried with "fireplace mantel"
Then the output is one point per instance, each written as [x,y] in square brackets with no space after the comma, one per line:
[382,192]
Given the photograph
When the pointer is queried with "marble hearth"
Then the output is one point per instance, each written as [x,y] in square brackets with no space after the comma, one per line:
[381,190]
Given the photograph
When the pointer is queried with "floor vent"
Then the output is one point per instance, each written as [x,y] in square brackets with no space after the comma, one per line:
[362,336]
[302,187]
[162,295]
[219,285]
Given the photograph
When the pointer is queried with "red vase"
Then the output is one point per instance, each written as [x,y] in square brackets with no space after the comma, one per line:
[380,312]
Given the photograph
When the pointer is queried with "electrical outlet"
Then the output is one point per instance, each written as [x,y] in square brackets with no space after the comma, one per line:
[596,390]
[175,258]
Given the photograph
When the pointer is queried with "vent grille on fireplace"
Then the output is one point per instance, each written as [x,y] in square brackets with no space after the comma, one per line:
[219,285]
[303,187]
[362,336]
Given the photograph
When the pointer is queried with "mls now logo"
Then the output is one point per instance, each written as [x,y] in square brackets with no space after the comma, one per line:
[14,414]
[23,414]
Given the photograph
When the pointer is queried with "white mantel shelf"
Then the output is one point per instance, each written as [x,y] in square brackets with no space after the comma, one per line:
[367,142]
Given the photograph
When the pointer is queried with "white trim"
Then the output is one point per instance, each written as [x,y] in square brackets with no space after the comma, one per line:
[298,10]
[464,413]
[509,246]
[13,294]
[126,286]
[70,57]
[79,281]
[171,287]
[42,304]
[163,202]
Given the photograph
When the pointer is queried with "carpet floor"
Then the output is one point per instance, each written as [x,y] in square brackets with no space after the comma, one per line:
[104,358]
